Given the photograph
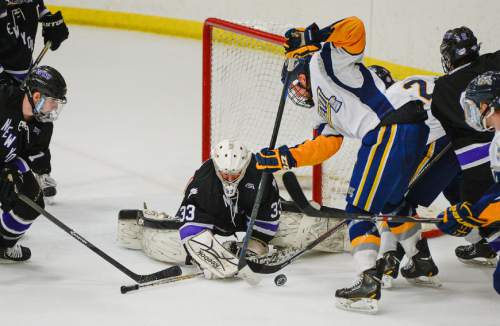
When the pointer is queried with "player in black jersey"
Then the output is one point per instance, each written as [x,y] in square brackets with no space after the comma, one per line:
[462,63]
[42,99]
[19,20]
[219,200]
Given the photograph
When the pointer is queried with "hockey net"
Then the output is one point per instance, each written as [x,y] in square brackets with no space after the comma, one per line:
[242,64]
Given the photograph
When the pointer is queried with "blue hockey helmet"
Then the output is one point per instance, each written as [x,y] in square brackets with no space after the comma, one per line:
[459,46]
[484,89]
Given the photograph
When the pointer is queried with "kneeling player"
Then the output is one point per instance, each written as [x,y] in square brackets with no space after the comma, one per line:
[481,104]
[217,201]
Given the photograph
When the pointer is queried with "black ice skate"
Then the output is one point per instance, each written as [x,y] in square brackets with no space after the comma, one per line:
[421,269]
[479,253]
[364,294]
[14,254]
[392,260]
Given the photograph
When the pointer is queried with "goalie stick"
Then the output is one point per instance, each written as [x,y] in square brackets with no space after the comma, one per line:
[294,189]
[165,273]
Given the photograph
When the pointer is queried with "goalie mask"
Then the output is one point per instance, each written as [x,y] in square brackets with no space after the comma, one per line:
[52,87]
[459,46]
[299,90]
[480,100]
[231,159]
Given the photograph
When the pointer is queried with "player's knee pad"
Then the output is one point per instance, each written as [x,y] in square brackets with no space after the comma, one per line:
[297,230]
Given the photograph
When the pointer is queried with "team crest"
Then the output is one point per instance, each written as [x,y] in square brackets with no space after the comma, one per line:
[327,105]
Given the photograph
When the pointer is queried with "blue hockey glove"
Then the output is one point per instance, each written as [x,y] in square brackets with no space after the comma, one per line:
[459,220]
[302,42]
[272,160]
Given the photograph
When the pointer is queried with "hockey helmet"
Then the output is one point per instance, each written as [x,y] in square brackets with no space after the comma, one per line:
[484,89]
[299,88]
[231,159]
[52,86]
[383,74]
[459,46]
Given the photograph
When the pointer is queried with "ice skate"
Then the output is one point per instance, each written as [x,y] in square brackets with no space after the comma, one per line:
[14,254]
[478,253]
[421,269]
[364,294]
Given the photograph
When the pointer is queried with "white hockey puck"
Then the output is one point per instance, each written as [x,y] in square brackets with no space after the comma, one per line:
[280,280]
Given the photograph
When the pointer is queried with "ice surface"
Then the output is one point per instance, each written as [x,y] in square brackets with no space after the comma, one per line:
[131,132]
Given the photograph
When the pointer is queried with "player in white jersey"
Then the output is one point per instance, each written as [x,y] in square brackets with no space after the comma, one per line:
[429,180]
[481,104]
[351,101]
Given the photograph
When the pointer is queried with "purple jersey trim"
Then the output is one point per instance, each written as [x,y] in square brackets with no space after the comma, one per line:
[474,154]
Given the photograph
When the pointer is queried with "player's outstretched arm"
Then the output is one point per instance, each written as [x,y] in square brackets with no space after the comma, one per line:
[310,152]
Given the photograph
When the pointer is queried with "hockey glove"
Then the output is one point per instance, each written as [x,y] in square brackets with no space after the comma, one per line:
[10,182]
[272,160]
[302,42]
[459,220]
[54,29]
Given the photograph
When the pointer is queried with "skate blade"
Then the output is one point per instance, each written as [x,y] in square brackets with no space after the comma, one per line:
[386,282]
[364,305]
[484,262]
[427,281]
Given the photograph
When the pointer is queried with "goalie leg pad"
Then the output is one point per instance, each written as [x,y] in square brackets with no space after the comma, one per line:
[129,233]
[210,255]
[297,230]
[163,245]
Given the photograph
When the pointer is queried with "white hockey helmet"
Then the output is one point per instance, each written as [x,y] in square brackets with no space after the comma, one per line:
[231,159]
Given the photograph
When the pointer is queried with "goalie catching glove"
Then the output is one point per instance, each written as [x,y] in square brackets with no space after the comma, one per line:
[272,160]
[302,42]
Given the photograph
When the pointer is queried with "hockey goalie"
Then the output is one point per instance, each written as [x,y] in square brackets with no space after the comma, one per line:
[217,203]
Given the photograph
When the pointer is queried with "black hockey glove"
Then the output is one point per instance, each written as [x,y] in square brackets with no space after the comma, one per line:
[10,181]
[54,29]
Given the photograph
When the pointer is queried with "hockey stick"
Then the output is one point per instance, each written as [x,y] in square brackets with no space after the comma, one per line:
[264,181]
[261,268]
[295,191]
[127,288]
[165,273]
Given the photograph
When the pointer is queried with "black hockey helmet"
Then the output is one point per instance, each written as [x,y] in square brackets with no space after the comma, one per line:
[47,81]
[298,94]
[383,74]
[485,88]
[459,46]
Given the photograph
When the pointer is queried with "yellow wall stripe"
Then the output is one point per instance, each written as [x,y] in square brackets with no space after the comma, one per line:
[381,167]
[181,28]
[368,165]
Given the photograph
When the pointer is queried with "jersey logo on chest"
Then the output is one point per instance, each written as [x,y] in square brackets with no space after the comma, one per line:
[326,105]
